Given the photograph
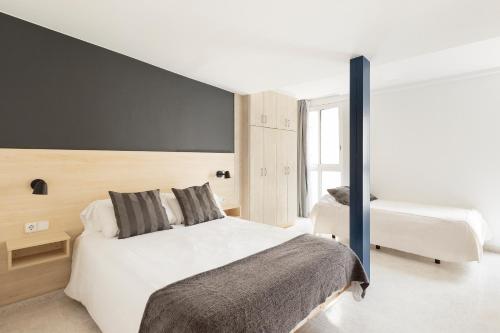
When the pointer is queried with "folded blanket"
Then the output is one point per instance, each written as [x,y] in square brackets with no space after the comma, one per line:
[342,194]
[271,291]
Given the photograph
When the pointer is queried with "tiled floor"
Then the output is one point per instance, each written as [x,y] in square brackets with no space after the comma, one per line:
[408,294]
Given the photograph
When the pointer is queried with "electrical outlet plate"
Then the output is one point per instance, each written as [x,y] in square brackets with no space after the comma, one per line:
[30,227]
[36,226]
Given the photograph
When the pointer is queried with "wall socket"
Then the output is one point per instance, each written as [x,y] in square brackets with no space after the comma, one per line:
[29,227]
[36,226]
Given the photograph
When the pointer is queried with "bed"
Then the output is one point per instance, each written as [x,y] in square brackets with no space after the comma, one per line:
[117,280]
[442,233]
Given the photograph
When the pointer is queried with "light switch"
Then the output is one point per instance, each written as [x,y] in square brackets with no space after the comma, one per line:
[42,225]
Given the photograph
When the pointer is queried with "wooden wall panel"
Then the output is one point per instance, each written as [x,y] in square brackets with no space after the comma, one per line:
[77,177]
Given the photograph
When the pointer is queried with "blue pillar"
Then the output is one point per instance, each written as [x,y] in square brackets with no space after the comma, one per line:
[360,159]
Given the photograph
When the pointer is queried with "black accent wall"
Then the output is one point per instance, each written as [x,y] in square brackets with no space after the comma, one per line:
[58,92]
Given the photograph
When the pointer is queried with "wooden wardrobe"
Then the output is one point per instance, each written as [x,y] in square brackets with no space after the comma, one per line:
[269,158]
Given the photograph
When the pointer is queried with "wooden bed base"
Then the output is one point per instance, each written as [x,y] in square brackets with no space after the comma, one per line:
[322,307]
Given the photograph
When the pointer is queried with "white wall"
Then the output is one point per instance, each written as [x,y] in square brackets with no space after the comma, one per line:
[440,144]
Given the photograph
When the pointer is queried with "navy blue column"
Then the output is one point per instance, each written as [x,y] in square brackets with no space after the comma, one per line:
[360,159]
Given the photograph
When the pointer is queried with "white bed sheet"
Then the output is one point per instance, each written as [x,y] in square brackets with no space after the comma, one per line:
[445,233]
[114,278]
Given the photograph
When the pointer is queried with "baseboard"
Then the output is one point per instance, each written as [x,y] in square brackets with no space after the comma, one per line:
[495,248]
[18,306]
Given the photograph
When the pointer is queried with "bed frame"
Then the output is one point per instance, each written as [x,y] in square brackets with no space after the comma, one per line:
[322,307]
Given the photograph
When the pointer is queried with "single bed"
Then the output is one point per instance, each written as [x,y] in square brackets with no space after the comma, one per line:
[115,278]
[442,233]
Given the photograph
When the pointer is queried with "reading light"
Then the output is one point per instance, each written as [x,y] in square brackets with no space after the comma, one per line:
[39,186]
[224,174]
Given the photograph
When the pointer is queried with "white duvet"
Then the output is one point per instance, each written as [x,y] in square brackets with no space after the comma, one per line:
[445,233]
[114,278]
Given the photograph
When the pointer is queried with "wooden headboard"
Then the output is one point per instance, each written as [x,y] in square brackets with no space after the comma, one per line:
[75,178]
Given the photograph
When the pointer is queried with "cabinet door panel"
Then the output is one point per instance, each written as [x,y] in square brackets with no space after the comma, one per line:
[256,109]
[291,142]
[282,179]
[256,186]
[292,114]
[282,109]
[270,156]
[270,113]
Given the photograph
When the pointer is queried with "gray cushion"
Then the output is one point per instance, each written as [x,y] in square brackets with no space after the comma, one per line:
[139,213]
[197,204]
[342,194]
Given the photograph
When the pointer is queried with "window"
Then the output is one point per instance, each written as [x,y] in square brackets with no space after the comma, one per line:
[323,152]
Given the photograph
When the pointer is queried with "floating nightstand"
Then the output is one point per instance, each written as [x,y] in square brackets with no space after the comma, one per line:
[232,209]
[37,249]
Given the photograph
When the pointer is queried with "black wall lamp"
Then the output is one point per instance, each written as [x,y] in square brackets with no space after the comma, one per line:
[39,186]
[224,174]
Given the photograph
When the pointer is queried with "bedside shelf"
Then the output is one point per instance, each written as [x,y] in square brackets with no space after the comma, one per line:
[232,209]
[37,249]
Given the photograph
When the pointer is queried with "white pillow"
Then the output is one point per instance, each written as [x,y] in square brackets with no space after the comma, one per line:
[99,216]
[169,199]
[219,201]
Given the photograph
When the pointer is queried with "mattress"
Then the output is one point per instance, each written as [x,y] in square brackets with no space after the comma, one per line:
[445,233]
[114,278]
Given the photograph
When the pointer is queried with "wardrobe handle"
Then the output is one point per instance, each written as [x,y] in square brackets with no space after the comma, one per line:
[265,171]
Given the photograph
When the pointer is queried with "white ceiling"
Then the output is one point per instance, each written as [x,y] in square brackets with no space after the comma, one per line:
[298,47]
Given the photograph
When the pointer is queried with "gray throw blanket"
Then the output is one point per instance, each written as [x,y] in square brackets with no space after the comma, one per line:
[271,291]
[342,194]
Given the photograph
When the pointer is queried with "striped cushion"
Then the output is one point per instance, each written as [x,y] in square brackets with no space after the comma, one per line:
[139,213]
[197,204]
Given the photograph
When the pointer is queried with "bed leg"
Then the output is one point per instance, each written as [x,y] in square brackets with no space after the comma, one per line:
[437,261]
[333,236]
[377,247]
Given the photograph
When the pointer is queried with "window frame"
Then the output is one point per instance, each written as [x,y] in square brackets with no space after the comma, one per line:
[320,167]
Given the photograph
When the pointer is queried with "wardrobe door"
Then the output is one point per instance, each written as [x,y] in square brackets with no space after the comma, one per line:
[291,143]
[282,179]
[270,113]
[256,177]
[282,111]
[292,114]
[270,160]
[256,109]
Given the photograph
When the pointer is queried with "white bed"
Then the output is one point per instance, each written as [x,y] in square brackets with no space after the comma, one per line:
[444,233]
[104,268]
